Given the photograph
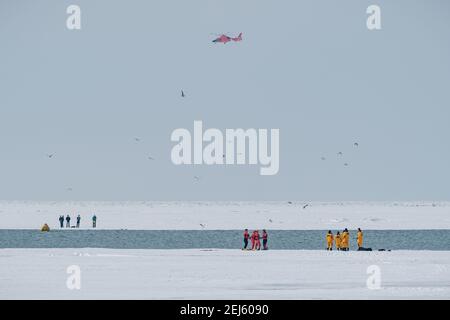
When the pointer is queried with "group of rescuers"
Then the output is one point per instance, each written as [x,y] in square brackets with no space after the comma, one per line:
[46,228]
[61,221]
[255,238]
[341,241]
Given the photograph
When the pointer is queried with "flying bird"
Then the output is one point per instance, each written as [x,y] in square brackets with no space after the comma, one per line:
[151,158]
[356,144]
[340,153]
[137,139]
[270,220]
[346,164]
[50,155]
[202,225]
[323,158]
[196,178]
[305,206]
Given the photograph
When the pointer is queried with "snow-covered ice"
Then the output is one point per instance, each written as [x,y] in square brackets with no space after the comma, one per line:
[222,274]
[230,215]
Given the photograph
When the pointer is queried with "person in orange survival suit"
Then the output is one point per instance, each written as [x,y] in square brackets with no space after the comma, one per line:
[252,239]
[359,238]
[330,239]
[337,240]
[256,240]
[345,238]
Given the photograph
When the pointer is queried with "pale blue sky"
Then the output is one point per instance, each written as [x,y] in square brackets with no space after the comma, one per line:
[310,68]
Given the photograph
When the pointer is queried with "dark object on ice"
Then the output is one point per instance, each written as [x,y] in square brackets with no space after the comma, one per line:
[364,249]
[305,206]
[389,250]
[356,144]
[289,202]
[182,94]
[346,164]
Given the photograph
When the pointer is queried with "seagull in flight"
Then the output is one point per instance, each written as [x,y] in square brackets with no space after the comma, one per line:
[202,225]
[305,206]
[196,178]
[137,139]
[346,164]
[151,158]
[50,155]
[340,153]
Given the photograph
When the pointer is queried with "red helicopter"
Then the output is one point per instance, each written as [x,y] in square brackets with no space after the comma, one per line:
[224,38]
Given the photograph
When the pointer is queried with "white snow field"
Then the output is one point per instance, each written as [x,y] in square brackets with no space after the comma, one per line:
[222,274]
[230,215]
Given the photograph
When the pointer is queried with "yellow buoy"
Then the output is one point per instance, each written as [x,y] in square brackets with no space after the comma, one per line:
[45,228]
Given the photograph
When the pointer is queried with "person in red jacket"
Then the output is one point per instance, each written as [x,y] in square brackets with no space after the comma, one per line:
[246,236]
[252,239]
[257,242]
[264,236]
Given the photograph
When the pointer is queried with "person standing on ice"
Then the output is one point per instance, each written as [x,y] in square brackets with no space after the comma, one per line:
[264,236]
[94,221]
[337,240]
[252,239]
[78,221]
[330,239]
[246,236]
[359,239]
[61,221]
[68,221]
[345,236]
[257,242]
